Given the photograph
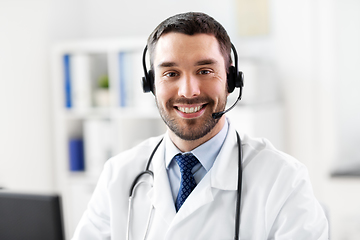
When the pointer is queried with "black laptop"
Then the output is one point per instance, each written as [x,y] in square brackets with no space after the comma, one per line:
[25,216]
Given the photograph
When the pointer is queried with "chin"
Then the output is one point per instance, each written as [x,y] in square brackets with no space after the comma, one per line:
[192,129]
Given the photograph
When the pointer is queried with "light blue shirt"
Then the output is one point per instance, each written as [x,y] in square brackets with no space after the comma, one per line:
[205,153]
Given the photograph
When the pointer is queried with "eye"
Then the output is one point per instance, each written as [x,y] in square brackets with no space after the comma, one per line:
[204,72]
[171,74]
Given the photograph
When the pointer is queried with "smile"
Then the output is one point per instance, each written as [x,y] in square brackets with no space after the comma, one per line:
[190,109]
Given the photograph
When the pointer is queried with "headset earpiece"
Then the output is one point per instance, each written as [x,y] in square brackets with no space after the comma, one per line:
[231,78]
[235,78]
[148,79]
[148,82]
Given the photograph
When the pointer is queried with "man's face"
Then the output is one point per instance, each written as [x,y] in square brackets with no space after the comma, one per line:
[190,83]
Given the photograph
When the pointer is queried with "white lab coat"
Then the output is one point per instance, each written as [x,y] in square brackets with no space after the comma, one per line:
[277,203]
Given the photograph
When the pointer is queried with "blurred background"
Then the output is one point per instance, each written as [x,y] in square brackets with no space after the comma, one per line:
[301,58]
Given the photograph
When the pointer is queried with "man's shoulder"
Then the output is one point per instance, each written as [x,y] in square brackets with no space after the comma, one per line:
[264,165]
[261,151]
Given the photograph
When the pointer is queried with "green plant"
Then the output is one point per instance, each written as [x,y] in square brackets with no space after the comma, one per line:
[103,82]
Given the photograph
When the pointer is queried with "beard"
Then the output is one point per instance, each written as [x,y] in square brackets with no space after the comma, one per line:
[190,129]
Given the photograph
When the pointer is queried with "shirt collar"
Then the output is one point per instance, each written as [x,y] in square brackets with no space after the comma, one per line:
[206,153]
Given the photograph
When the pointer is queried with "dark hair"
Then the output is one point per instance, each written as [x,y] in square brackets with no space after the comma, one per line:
[192,23]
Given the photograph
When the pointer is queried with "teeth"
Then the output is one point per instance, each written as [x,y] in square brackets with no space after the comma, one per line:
[189,110]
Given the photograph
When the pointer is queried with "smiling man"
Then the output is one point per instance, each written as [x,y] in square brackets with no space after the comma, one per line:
[200,180]
[190,83]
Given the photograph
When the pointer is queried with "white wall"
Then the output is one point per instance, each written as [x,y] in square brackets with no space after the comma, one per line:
[116,18]
[348,83]
[25,126]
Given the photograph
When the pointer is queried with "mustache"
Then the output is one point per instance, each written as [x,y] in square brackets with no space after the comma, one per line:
[196,100]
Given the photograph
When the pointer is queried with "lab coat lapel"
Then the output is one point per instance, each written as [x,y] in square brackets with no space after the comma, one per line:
[224,172]
[160,195]
[222,176]
[200,196]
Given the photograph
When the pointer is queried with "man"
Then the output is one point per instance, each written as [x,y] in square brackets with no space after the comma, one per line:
[193,194]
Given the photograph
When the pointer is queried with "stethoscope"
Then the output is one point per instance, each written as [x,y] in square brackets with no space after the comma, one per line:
[147,171]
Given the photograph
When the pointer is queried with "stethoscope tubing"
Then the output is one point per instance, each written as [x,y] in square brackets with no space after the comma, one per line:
[239,188]
[133,187]
[138,183]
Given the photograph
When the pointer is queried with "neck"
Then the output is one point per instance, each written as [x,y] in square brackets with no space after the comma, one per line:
[188,145]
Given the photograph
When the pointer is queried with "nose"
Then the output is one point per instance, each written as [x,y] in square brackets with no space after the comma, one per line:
[189,87]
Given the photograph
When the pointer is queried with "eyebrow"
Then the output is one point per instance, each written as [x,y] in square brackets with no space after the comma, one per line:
[167,64]
[209,61]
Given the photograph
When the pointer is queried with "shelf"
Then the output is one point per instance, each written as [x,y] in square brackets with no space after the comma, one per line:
[349,173]
[151,112]
[77,67]
[346,170]
[100,45]
[113,113]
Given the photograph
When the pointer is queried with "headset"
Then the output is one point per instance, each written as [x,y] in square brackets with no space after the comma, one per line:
[235,78]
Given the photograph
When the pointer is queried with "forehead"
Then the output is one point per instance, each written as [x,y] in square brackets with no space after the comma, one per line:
[178,46]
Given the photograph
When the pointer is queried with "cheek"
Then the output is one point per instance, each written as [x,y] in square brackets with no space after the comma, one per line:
[163,93]
[218,89]
[219,82]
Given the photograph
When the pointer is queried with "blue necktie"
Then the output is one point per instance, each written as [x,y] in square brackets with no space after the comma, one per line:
[186,163]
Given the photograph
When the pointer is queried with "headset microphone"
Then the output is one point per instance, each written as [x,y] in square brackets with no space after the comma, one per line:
[235,78]
[217,115]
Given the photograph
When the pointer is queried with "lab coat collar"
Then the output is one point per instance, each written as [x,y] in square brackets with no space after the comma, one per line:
[206,153]
[160,194]
[225,169]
